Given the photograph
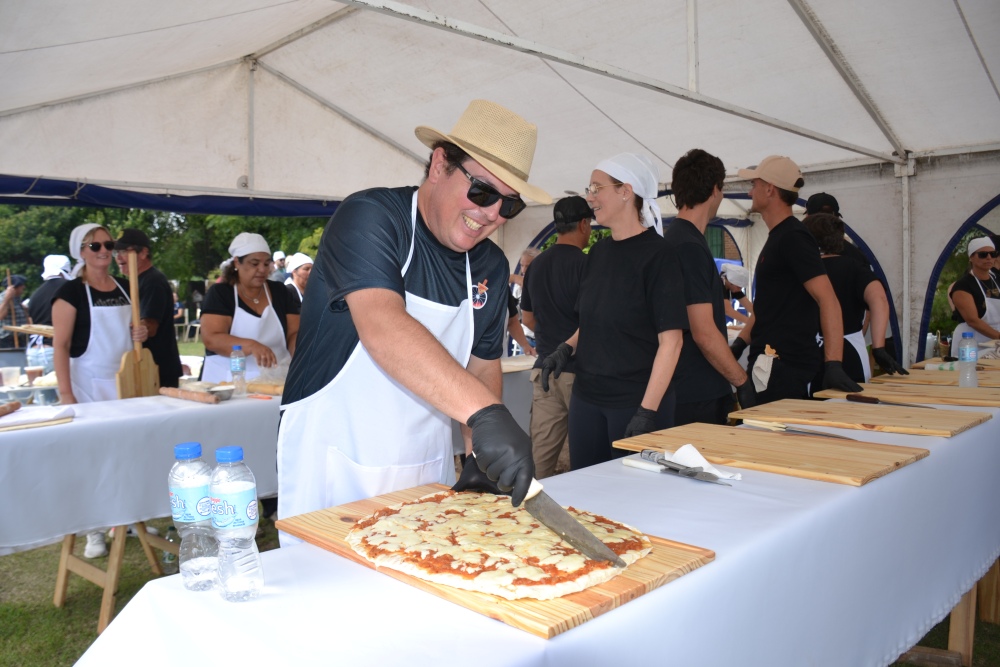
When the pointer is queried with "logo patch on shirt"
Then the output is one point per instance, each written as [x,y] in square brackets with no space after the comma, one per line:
[479,295]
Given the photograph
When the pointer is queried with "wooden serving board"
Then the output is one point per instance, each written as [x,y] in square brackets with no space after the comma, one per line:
[887,418]
[21,427]
[46,330]
[989,378]
[521,362]
[914,393]
[822,459]
[989,364]
[667,561]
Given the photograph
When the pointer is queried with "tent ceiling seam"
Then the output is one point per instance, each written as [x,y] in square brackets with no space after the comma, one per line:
[979,52]
[295,36]
[463,28]
[117,89]
[353,120]
[847,73]
[167,188]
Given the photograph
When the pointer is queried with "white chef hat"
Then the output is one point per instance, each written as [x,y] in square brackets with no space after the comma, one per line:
[736,274]
[278,254]
[644,177]
[297,260]
[980,243]
[246,243]
[54,266]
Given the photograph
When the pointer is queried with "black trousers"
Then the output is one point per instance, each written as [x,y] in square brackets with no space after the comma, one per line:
[713,411]
[786,382]
[592,428]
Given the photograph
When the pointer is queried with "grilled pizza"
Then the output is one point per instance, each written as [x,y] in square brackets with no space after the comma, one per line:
[479,542]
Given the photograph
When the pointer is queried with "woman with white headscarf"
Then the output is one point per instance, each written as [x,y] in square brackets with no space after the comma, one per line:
[247,309]
[632,316]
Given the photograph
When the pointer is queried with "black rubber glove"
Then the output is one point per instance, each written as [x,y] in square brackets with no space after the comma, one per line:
[644,421]
[503,450]
[886,362]
[746,394]
[737,348]
[834,377]
[555,363]
[474,479]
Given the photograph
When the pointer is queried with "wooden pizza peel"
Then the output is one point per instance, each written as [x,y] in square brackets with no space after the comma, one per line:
[138,374]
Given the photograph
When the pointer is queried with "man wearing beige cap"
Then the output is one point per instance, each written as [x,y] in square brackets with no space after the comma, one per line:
[793,300]
[402,328]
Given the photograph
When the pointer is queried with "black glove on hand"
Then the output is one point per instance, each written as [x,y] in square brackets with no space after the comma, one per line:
[555,363]
[737,348]
[886,362]
[644,421]
[503,450]
[746,394]
[474,479]
[834,377]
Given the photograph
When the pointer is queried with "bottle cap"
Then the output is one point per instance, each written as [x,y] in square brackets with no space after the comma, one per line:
[187,450]
[967,334]
[237,347]
[231,454]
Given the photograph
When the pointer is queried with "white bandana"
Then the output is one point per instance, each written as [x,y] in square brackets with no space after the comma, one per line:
[644,177]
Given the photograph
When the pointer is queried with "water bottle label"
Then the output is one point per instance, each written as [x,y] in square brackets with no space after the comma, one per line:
[234,510]
[968,353]
[237,364]
[190,504]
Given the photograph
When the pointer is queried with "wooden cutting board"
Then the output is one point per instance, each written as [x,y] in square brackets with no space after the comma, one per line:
[546,618]
[521,362]
[914,393]
[887,418]
[989,378]
[823,459]
[989,364]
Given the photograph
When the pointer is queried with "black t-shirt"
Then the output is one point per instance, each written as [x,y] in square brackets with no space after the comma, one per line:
[40,306]
[156,302]
[849,278]
[550,292]
[293,294]
[632,290]
[74,292]
[702,284]
[367,244]
[221,300]
[969,283]
[787,317]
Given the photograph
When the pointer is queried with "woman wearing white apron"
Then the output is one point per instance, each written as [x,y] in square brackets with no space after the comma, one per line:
[299,267]
[266,331]
[414,441]
[91,318]
[982,318]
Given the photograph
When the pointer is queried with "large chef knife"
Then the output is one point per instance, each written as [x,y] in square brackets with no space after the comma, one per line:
[541,506]
[862,398]
[778,427]
[656,456]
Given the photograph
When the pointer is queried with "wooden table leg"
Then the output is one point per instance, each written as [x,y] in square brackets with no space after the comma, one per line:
[62,574]
[145,540]
[989,595]
[963,627]
[111,577]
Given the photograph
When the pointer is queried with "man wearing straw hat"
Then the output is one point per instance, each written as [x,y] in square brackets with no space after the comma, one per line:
[402,328]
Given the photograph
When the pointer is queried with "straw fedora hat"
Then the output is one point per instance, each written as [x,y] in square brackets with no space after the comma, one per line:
[496,138]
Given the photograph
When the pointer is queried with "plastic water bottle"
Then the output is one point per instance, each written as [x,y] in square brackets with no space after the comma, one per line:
[238,367]
[968,355]
[169,561]
[234,518]
[191,506]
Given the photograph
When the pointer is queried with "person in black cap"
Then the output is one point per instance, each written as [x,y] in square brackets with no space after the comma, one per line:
[706,368]
[548,307]
[12,310]
[156,305]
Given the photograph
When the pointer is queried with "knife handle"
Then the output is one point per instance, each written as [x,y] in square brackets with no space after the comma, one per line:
[653,455]
[861,398]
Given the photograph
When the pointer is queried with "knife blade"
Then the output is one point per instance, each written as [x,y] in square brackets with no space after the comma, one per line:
[873,400]
[550,514]
[784,428]
[669,466]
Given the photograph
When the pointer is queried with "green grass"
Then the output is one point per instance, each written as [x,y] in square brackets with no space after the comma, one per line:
[191,349]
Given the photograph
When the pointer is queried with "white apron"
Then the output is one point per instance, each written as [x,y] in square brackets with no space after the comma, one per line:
[857,341]
[92,374]
[364,434]
[265,329]
[991,317]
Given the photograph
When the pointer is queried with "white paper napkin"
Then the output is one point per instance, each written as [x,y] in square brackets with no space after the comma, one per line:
[34,414]
[687,455]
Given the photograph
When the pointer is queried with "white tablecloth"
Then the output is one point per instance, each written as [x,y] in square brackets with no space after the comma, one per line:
[109,465]
[806,573]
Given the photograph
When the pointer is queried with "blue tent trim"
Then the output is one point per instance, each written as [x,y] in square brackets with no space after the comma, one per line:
[27,191]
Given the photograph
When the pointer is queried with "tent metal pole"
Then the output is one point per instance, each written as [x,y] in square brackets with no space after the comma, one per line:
[511,42]
[251,68]
[692,34]
[905,173]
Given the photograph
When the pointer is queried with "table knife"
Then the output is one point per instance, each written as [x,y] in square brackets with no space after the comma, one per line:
[549,513]
[667,465]
[861,398]
[784,428]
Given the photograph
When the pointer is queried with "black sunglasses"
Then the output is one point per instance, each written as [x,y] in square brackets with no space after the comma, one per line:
[95,246]
[983,254]
[484,194]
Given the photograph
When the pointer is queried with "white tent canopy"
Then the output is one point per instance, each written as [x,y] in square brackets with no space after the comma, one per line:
[893,106]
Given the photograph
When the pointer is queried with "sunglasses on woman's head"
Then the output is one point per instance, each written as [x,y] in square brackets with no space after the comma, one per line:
[485,195]
[983,254]
[95,246]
